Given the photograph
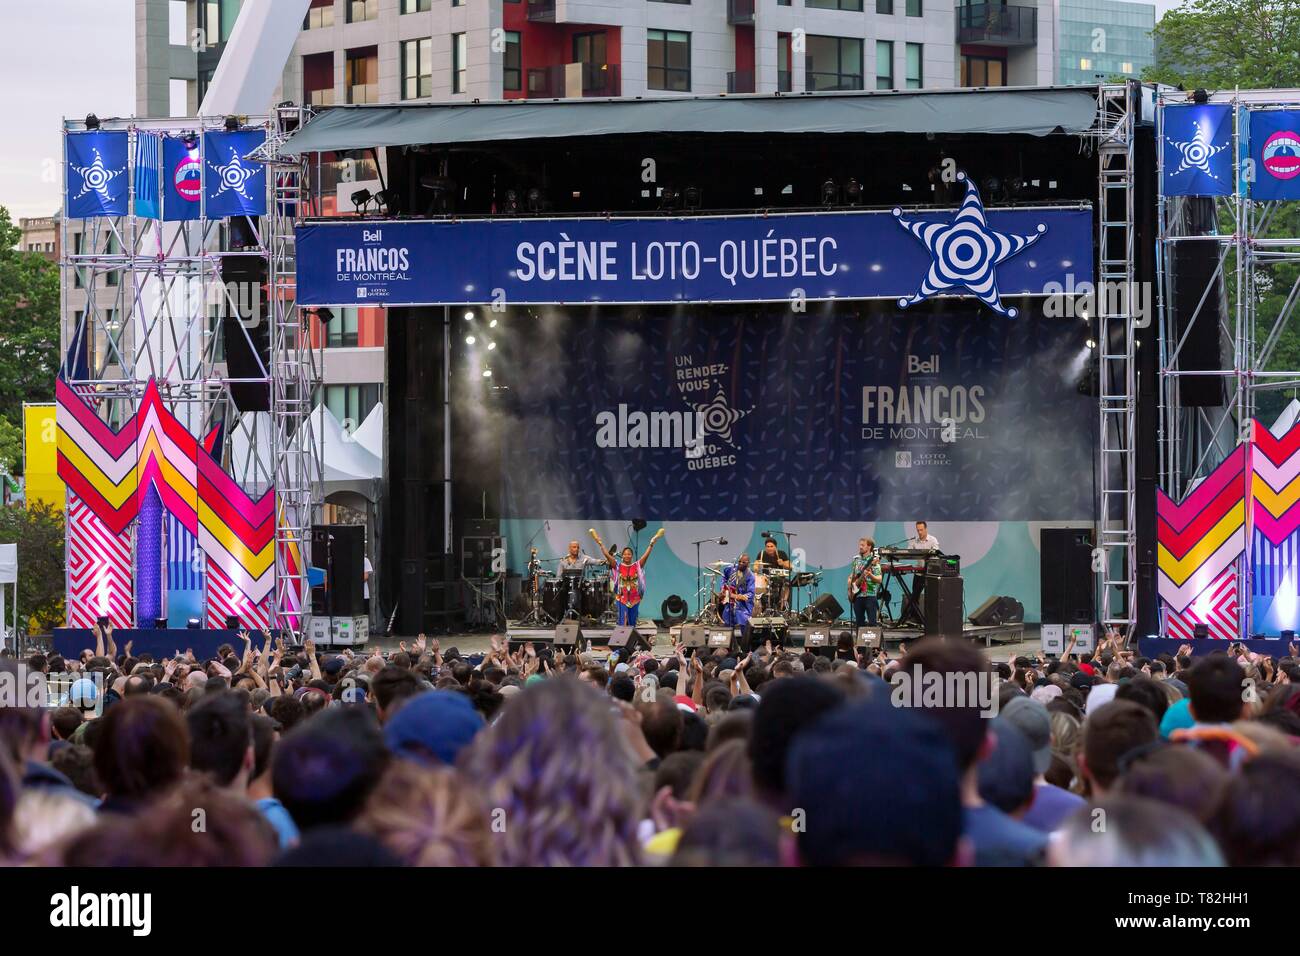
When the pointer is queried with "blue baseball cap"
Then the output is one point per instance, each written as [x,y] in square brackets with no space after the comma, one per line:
[433,727]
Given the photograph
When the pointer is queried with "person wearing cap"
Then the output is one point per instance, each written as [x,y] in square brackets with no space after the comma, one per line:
[433,727]
[1051,804]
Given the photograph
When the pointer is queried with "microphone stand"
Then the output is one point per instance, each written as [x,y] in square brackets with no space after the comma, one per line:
[699,574]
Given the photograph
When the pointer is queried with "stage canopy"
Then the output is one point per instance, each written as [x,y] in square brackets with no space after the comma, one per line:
[1031,111]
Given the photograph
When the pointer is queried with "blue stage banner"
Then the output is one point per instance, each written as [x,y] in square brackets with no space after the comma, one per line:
[848,413]
[908,256]
[1275,150]
[1197,150]
[182,179]
[97,178]
[148,159]
[233,185]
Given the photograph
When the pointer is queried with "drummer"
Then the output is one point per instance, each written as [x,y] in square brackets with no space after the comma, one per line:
[767,560]
[577,559]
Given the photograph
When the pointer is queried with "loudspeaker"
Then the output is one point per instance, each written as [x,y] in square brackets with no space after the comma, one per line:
[817,637]
[826,608]
[246,330]
[1066,579]
[567,634]
[1198,303]
[694,635]
[340,550]
[998,609]
[626,636]
[943,606]
[869,636]
[320,557]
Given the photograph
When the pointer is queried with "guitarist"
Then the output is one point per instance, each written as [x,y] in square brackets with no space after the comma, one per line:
[738,596]
[864,581]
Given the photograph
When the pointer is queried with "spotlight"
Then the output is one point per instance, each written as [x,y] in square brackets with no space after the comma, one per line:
[232,124]
[160,623]
[511,205]
[389,200]
[442,192]
[1201,631]
[1092,343]
[669,198]
[692,197]
[853,191]
[232,622]
[325,315]
[491,346]
[469,316]
[492,324]
[830,193]
[537,201]
[359,199]
[92,121]
[1200,97]
[487,373]
[470,340]
[193,624]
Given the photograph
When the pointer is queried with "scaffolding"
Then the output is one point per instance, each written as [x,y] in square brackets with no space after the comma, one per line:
[1195,438]
[144,299]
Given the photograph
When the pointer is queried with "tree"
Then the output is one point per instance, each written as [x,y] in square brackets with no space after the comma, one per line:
[29,324]
[11,446]
[38,532]
[1222,44]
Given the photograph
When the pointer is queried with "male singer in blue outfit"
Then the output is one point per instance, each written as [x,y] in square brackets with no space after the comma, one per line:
[738,592]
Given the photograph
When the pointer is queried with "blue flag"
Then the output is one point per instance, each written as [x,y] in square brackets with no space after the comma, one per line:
[232,185]
[1275,150]
[148,149]
[182,178]
[98,183]
[1198,150]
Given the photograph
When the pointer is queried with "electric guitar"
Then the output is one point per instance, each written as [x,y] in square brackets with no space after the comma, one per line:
[858,583]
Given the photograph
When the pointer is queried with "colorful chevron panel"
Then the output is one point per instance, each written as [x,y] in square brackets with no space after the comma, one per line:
[99,568]
[110,471]
[1216,607]
[225,598]
[1252,497]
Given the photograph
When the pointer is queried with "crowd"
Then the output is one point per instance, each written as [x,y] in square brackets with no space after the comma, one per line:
[275,755]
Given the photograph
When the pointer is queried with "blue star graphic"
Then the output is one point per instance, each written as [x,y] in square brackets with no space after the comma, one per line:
[965,252]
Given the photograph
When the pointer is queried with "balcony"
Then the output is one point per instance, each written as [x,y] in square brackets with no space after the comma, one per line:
[815,82]
[323,97]
[995,24]
[541,10]
[741,81]
[740,11]
[551,82]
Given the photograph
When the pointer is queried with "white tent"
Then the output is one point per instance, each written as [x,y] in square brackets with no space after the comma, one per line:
[370,433]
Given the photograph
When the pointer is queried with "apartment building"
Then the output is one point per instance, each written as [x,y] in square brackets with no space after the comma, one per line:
[1103,39]
[40,234]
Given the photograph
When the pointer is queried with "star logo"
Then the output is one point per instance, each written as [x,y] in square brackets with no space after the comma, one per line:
[234,176]
[719,416]
[96,178]
[965,253]
[1195,153]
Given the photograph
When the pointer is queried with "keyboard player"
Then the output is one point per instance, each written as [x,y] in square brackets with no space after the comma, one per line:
[923,541]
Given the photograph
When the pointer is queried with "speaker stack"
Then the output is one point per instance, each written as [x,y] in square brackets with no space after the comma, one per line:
[1066,584]
[943,606]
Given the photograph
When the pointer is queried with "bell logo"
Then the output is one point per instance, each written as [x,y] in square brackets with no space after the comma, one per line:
[919,366]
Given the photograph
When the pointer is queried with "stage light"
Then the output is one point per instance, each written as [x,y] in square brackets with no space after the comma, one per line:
[1200,97]
[830,193]
[232,124]
[1092,343]
[389,200]
[359,199]
[469,316]
[512,201]
[193,624]
[669,197]
[92,121]
[491,346]
[442,191]
[853,191]
[190,140]
[492,324]
[1201,631]
[487,373]
[537,200]
[692,197]
[470,340]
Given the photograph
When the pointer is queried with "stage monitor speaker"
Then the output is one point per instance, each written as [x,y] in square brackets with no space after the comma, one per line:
[999,609]
[625,636]
[826,608]
[869,636]
[816,637]
[943,606]
[694,635]
[246,330]
[567,634]
[1198,303]
[720,637]
[1066,578]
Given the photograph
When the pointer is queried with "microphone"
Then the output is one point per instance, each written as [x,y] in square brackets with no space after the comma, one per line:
[767,534]
[722,541]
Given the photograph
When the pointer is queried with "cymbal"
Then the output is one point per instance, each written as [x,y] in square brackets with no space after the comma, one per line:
[718,566]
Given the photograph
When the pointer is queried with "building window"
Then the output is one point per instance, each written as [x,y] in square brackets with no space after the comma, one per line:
[362,75]
[914,8]
[416,6]
[1126,67]
[783,72]
[458,3]
[853,5]
[459,50]
[319,16]
[1085,63]
[671,1]
[359,10]
[833,63]
[983,71]
[417,68]
[512,74]
[351,403]
[341,332]
[885,7]
[915,78]
[668,60]
[884,64]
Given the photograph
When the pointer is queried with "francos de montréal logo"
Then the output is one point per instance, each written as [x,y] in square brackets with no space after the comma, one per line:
[373,261]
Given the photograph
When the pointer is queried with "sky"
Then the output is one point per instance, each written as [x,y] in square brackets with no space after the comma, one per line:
[68,58]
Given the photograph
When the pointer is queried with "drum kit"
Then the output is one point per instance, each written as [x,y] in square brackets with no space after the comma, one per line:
[778,592]
[567,594]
